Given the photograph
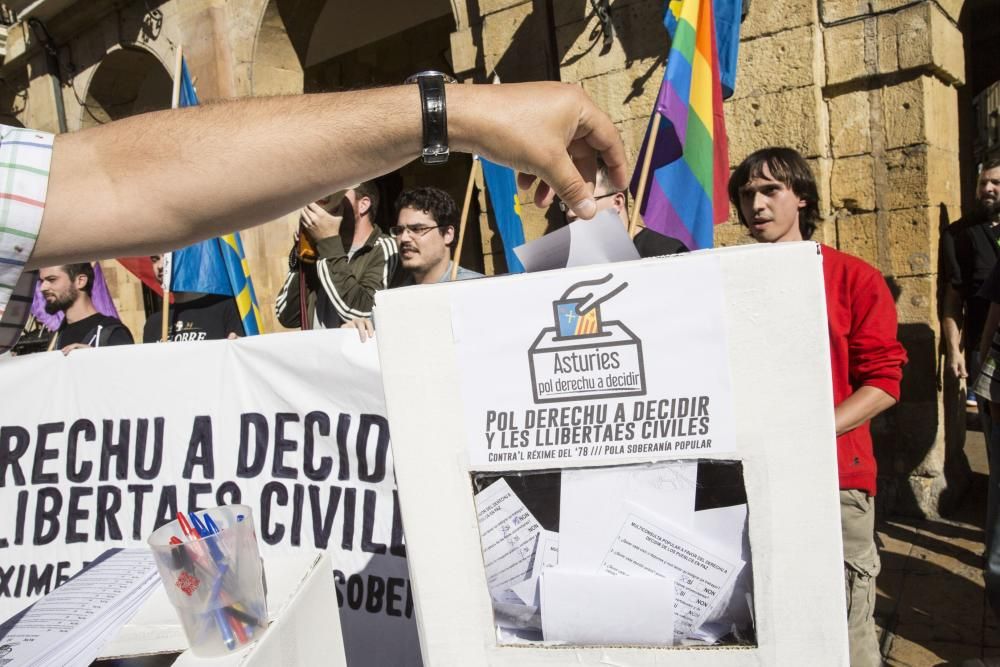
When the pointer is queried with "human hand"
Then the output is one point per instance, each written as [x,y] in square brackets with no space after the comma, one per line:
[552,131]
[318,223]
[232,335]
[592,293]
[75,346]
[364,326]
[956,364]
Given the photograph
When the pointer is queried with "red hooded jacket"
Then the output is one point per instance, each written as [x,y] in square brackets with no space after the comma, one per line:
[864,351]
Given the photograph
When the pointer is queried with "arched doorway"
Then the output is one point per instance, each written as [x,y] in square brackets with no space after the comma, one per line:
[128,81]
[331,45]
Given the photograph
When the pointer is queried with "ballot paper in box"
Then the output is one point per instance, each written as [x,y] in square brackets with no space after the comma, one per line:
[632,562]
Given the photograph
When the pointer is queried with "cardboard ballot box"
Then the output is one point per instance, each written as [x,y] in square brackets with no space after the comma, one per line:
[551,433]
[301,600]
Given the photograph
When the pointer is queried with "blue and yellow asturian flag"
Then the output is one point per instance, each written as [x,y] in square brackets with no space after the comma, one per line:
[502,188]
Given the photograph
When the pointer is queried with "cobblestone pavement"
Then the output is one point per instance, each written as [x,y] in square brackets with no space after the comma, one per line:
[931,607]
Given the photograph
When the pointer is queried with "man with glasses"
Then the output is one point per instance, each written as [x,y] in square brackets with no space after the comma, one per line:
[353,260]
[426,227]
[647,242]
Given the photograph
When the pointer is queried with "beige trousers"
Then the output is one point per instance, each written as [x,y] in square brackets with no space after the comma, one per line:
[861,566]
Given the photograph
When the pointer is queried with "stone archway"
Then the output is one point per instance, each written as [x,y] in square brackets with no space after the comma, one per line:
[127,82]
[276,68]
[297,49]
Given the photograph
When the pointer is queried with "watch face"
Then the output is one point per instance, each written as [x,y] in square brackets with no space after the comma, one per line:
[435,155]
[413,78]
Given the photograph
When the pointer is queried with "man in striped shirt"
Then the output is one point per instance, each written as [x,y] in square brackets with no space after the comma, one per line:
[25,156]
[354,259]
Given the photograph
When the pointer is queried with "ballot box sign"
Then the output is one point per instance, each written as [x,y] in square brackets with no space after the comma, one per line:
[581,357]
[629,363]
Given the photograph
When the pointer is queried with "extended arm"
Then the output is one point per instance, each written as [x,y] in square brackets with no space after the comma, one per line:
[859,407]
[171,178]
[951,328]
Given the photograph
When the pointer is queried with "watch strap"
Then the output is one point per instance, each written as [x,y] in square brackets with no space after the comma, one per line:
[434,112]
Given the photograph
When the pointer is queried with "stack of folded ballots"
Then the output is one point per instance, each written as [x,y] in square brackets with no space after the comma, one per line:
[632,563]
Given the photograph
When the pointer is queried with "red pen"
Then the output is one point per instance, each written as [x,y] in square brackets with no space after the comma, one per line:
[175,540]
[186,528]
[238,629]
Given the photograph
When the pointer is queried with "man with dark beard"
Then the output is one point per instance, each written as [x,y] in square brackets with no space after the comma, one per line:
[68,288]
[969,250]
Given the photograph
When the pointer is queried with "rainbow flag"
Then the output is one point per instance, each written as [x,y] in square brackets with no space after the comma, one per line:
[686,189]
[728,17]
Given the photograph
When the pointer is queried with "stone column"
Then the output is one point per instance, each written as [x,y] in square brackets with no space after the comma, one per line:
[889,86]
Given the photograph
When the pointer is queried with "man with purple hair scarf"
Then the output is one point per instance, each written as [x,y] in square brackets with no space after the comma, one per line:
[68,289]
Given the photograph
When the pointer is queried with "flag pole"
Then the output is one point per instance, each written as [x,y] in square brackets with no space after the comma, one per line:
[175,98]
[462,220]
[640,192]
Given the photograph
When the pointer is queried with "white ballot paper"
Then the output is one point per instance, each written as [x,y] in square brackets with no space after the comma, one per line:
[591,502]
[599,241]
[509,532]
[596,609]
[69,626]
[546,556]
[725,526]
[648,545]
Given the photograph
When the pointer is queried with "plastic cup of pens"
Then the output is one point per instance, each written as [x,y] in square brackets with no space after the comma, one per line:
[211,568]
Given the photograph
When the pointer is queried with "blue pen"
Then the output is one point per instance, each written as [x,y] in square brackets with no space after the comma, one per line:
[213,528]
[204,532]
[199,527]
[228,637]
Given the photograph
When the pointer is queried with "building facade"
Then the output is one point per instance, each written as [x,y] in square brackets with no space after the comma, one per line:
[877,94]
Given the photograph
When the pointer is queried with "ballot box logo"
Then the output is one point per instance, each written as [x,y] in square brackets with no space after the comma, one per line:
[583,356]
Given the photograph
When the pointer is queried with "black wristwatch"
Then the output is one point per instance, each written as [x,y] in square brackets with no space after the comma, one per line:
[434,111]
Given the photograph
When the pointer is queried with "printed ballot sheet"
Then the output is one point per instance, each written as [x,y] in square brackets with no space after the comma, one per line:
[509,534]
[648,545]
[598,241]
[591,502]
[69,626]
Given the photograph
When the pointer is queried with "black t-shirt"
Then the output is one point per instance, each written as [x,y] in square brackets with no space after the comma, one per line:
[210,317]
[969,251]
[654,244]
[111,332]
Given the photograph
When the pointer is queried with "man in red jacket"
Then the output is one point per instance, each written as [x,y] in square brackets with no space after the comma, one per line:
[775,194]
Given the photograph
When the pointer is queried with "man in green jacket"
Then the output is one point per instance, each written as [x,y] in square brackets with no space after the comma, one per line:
[354,259]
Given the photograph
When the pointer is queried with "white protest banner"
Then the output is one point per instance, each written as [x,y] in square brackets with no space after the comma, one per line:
[99,448]
[630,363]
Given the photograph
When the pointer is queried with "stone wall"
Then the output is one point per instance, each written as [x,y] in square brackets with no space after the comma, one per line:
[865,89]
[890,76]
